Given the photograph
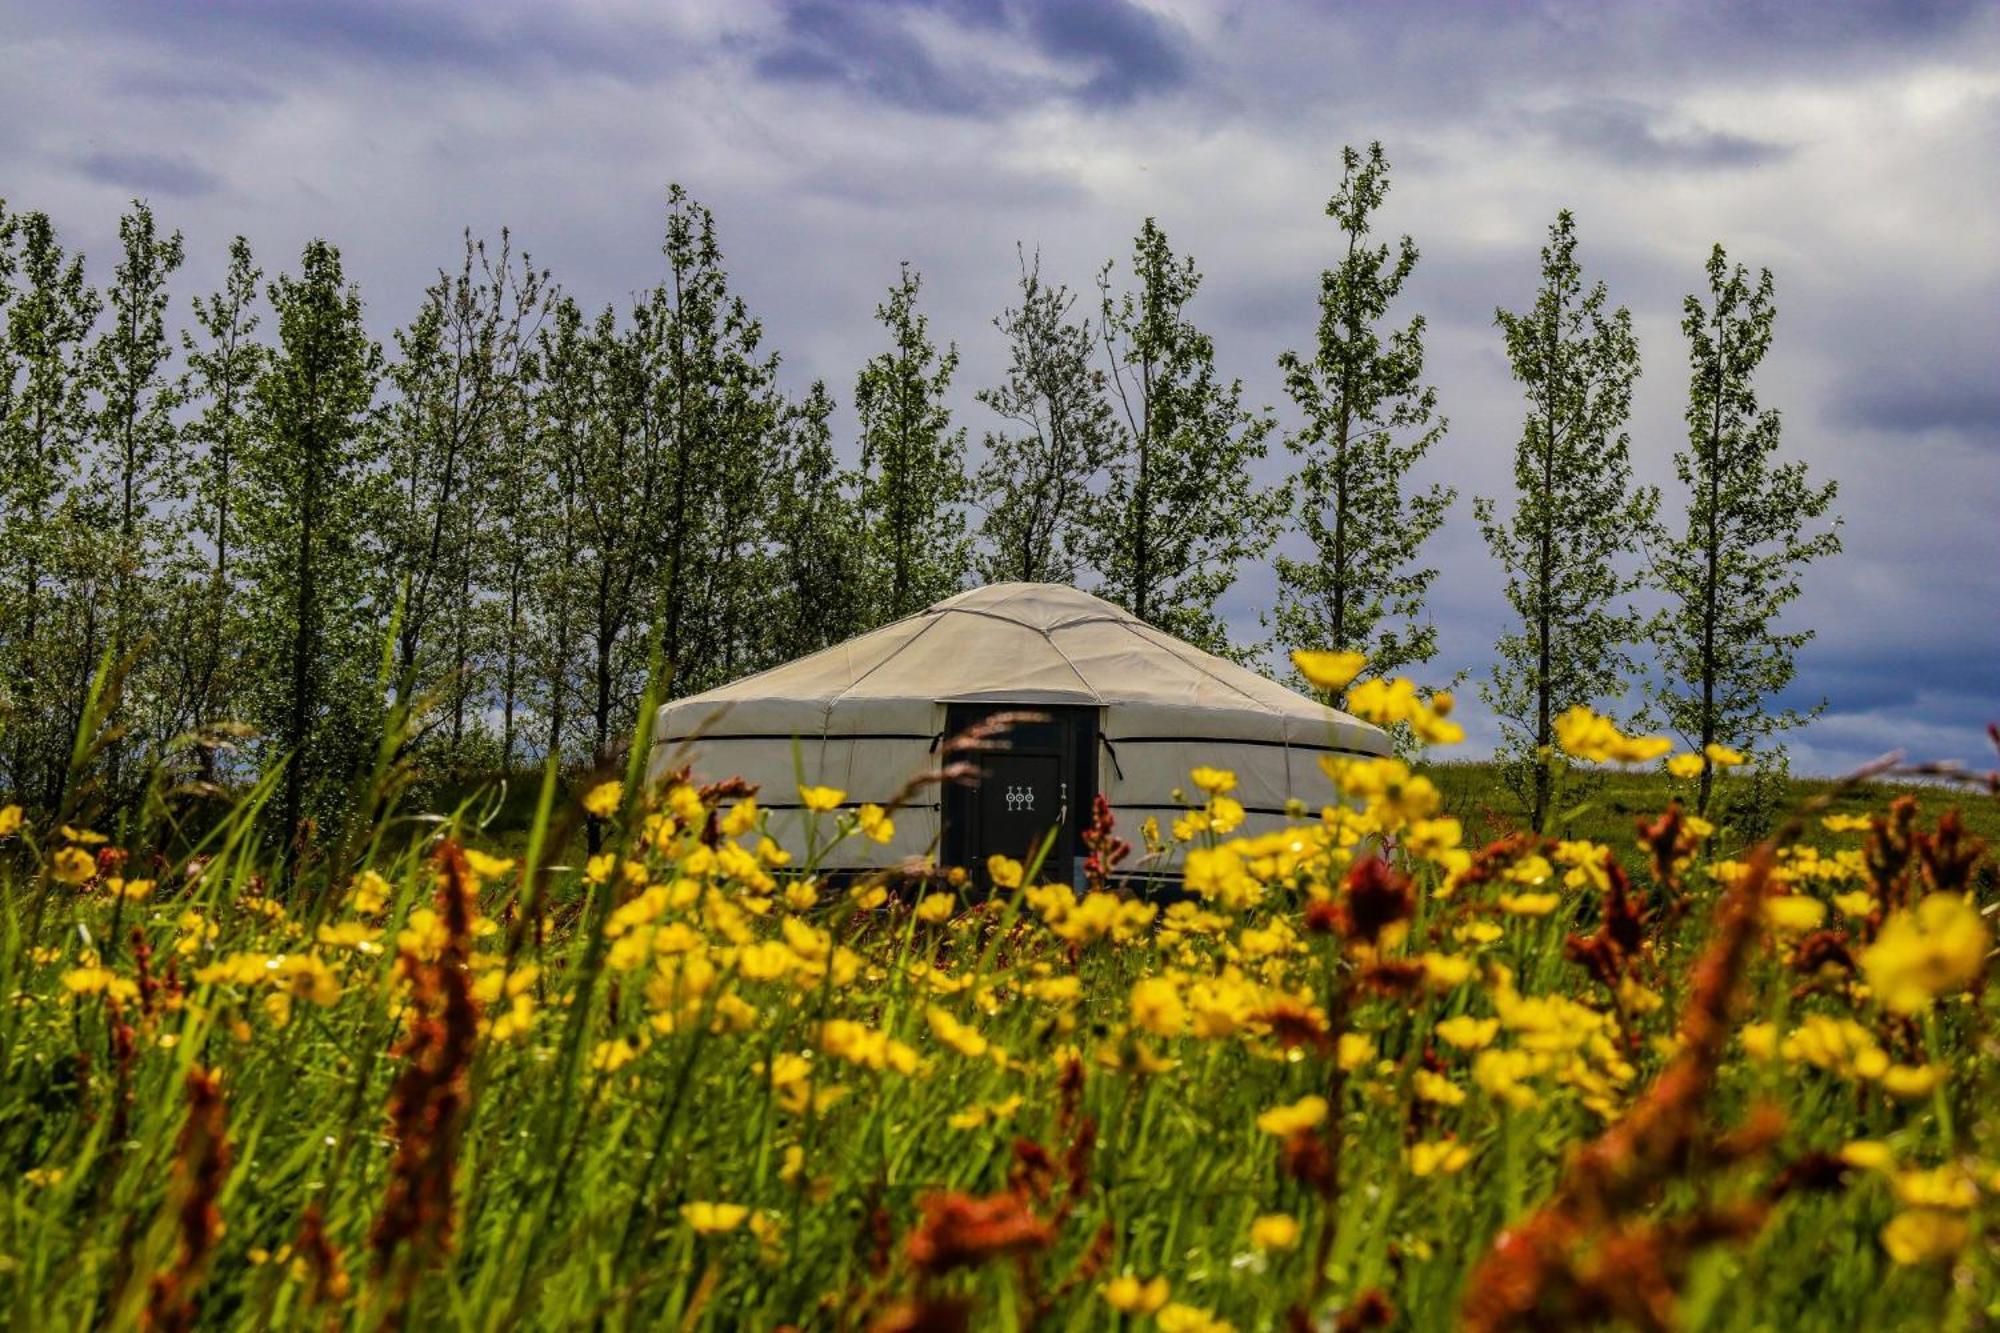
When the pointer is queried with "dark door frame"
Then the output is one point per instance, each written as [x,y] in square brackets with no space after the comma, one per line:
[1075,728]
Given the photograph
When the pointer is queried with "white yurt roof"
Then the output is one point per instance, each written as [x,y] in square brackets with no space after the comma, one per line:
[1022,643]
[867,715]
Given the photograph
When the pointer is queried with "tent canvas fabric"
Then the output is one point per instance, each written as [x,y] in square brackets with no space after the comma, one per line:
[867,715]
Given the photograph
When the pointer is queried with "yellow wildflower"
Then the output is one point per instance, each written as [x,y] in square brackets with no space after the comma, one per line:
[1213,781]
[1922,1235]
[1158,1008]
[1868,1155]
[1275,1231]
[1438,1157]
[875,823]
[709,1218]
[1129,1295]
[936,907]
[1436,1088]
[1285,1121]
[1939,947]
[1585,735]
[820,800]
[1685,766]
[1332,672]
[73,865]
[961,1037]
[1004,871]
[1354,1049]
[604,799]
[10,820]
[1793,913]
[740,819]
[1722,756]
[1468,1033]
[610,1056]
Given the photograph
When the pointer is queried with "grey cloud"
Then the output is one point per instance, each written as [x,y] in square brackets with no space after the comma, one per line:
[1631,135]
[869,50]
[1130,50]
[1917,399]
[500,36]
[149,173]
[1110,53]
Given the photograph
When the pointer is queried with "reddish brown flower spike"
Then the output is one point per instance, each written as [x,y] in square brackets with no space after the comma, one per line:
[958,1231]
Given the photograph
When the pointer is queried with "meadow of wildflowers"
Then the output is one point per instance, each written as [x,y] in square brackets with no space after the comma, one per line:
[1362,1074]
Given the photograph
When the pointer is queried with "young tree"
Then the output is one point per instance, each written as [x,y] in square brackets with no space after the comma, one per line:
[306,519]
[223,365]
[912,464]
[716,399]
[135,420]
[455,379]
[145,475]
[564,417]
[1737,564]
[1180,512]
[618,466]
[1576,515]
[816,539]
[49,640]
[1035,481]
[1370,419]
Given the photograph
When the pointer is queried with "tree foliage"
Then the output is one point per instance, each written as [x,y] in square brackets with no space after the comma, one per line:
[1732,570]
[1369,420]
[1034,484]
[1180,511]
[912,463]
[1567,545]
[310,502]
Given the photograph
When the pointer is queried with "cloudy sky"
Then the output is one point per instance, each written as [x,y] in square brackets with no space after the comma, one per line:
[1849,147]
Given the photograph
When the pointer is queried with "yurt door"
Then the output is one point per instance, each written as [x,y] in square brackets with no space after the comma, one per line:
[1043,780]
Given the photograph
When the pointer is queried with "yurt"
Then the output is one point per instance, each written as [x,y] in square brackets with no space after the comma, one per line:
[1128,709]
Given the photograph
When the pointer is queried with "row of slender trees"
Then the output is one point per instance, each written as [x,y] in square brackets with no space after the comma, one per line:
[262,522]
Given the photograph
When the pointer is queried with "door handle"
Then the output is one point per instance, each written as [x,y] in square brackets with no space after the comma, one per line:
[1063,818]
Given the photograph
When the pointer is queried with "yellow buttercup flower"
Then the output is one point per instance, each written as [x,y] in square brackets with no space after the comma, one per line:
[1129,1295]
[1214,781]
[10,820]
[1585,735]
[1439,1157]
[1793,913]
[1468,1033]
[1275,1231]
[1285,1121]
[73,865]
[1722,756]
[604,798]
[1937,948]
[875,823]
[1004,871]
[1923,1235]
[821,800]
[1157,1007]
[1685,765]
[1332,672]
[710,1218]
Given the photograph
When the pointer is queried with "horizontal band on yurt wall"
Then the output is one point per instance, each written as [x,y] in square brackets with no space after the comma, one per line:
[1313,746]
[704,737]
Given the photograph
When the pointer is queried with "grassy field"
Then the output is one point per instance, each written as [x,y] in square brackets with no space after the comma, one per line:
[685,1085]
[1612,800]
